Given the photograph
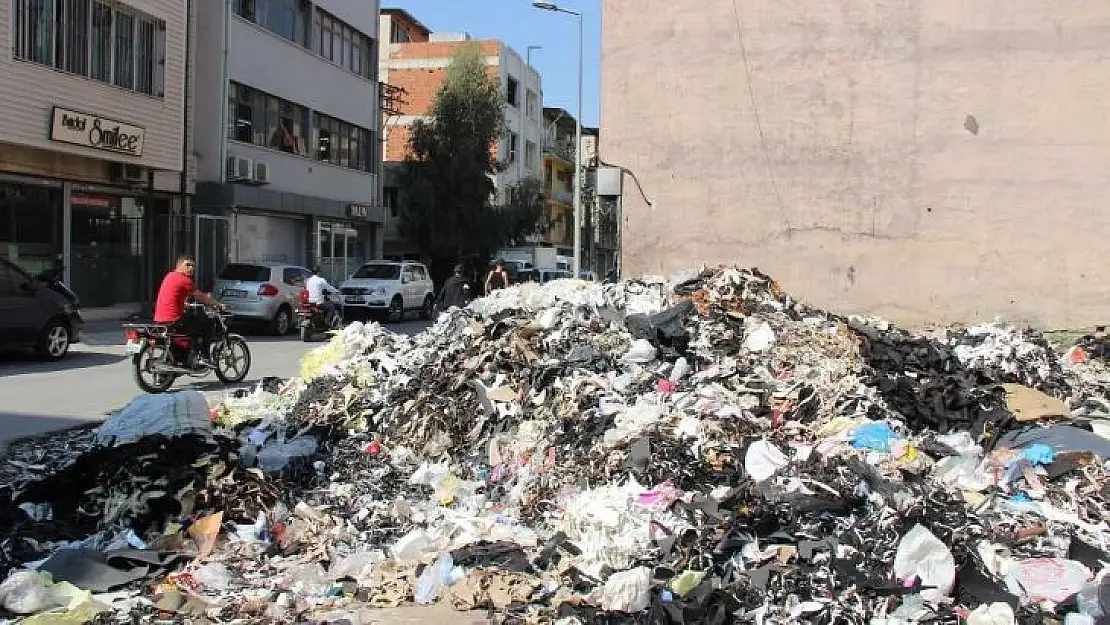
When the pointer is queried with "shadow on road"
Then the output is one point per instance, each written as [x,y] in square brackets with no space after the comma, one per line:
[16,363]
[18,426]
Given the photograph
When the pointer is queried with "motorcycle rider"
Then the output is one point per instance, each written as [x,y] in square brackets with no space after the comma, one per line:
[170,309]
[318,288]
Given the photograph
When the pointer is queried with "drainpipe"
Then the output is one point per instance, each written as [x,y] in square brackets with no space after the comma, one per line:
[223,94]
[185,144]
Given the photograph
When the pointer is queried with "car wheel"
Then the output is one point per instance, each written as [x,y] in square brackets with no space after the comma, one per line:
[426,309]
[282,321]
[55,340]
[396,309]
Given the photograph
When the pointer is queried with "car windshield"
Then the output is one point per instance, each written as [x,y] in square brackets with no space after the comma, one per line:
[245,273]
[378,272]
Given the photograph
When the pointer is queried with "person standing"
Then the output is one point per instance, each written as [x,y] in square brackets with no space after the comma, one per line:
[455,292]
[498,278]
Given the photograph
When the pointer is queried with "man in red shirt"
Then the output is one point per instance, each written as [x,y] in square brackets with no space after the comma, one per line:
[169,308]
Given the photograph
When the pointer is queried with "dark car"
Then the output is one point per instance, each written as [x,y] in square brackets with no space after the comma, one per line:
[43,314]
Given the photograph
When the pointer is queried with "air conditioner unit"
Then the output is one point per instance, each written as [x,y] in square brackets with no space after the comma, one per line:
[126,172]
[262,173]
[240,169]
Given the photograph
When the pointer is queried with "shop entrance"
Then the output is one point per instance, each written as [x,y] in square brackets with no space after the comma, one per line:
[107,249]
[213,236]
[340,249]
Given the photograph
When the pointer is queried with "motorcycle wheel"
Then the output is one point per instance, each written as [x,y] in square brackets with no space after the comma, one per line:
[306,333]
[232,358]
[147,380]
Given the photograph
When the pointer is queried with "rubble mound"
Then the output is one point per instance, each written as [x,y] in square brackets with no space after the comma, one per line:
[705,450]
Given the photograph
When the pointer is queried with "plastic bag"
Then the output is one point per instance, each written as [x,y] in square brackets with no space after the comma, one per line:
[274,456]
[760,338]
[27,592]
[627,591]
[1054,579]
[213,576]
[877,436]
[433,579]
[922,555]
[412,545]
[763,459]
[993,614]
[641,351]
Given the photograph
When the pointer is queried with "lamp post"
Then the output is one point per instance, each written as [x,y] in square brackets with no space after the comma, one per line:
[577,265]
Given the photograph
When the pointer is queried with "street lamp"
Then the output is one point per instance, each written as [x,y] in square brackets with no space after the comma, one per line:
[551,6]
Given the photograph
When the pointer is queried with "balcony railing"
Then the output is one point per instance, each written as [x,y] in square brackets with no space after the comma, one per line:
[563,148]
[560,195]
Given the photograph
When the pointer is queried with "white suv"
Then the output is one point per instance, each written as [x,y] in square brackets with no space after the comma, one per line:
[394,288]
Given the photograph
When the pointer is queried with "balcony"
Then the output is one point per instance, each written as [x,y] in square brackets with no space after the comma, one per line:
[563,148]
[560,195]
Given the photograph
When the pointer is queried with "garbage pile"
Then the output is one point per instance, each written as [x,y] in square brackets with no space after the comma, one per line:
[705,450]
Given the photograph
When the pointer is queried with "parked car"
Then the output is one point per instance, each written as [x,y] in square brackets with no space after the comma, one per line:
[390,287]
[44,315]
[262,292]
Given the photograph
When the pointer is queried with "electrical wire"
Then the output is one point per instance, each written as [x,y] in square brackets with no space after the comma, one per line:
[759,119]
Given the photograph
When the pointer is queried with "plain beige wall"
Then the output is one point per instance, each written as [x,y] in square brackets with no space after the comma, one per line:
[861,190]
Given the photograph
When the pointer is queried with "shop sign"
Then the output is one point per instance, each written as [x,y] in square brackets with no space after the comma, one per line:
[93,131]
[358,211]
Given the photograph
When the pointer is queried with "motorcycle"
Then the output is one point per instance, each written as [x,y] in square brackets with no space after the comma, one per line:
[311,318]
[159,357]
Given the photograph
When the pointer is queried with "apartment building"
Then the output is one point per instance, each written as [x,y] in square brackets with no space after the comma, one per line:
[558,180]
[414,59]
[924,161]
[287,134]
[93,176]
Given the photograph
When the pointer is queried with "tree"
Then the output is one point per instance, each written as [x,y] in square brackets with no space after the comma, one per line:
[526,215]
[447,182]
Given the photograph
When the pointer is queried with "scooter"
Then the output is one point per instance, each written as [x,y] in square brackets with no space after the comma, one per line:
[310,317]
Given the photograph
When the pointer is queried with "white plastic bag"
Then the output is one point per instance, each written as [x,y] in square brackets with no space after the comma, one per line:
[641,351]
[763,459]
[760,338]
[627,591]
[923,555]
[27,592]
[1054,579]
[433,579]
[993,614]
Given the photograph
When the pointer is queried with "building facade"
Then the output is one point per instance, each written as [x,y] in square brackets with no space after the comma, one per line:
[414,59]
[558,179]
[924,161]
[94,180]
[287,139]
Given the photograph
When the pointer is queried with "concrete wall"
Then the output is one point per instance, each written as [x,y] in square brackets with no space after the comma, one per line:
[529,128]
[830,144]
[28,91]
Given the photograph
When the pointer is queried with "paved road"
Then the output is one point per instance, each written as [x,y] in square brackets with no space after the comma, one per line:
[95,378]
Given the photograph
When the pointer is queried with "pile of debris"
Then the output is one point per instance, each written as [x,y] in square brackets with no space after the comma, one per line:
[707,450]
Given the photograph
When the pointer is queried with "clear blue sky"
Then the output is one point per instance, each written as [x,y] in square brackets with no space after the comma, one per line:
[520,25]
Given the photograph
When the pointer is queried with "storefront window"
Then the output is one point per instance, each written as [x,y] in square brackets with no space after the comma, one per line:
[31,227]
[340,249]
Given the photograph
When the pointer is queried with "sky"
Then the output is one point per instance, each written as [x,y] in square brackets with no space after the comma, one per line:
[520,25]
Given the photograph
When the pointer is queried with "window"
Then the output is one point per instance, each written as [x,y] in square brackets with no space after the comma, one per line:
[512,94]
[529,155]
[398,33]
[285,18]
[294,276]
[10,280]
[344,144]
[532,104]
[265,120]
[511,140]
[343,45]
[71,41]
[101,42]
[391,195]
[245,273]
[96,39]
[378,272]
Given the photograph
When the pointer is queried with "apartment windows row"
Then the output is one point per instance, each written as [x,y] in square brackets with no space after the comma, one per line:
[319,31]
[511,142]
[287,18]
[268,121]
[344,45]
[104,40]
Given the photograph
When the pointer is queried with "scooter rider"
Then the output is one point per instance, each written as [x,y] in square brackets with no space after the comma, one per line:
[318,288]
[169,308]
